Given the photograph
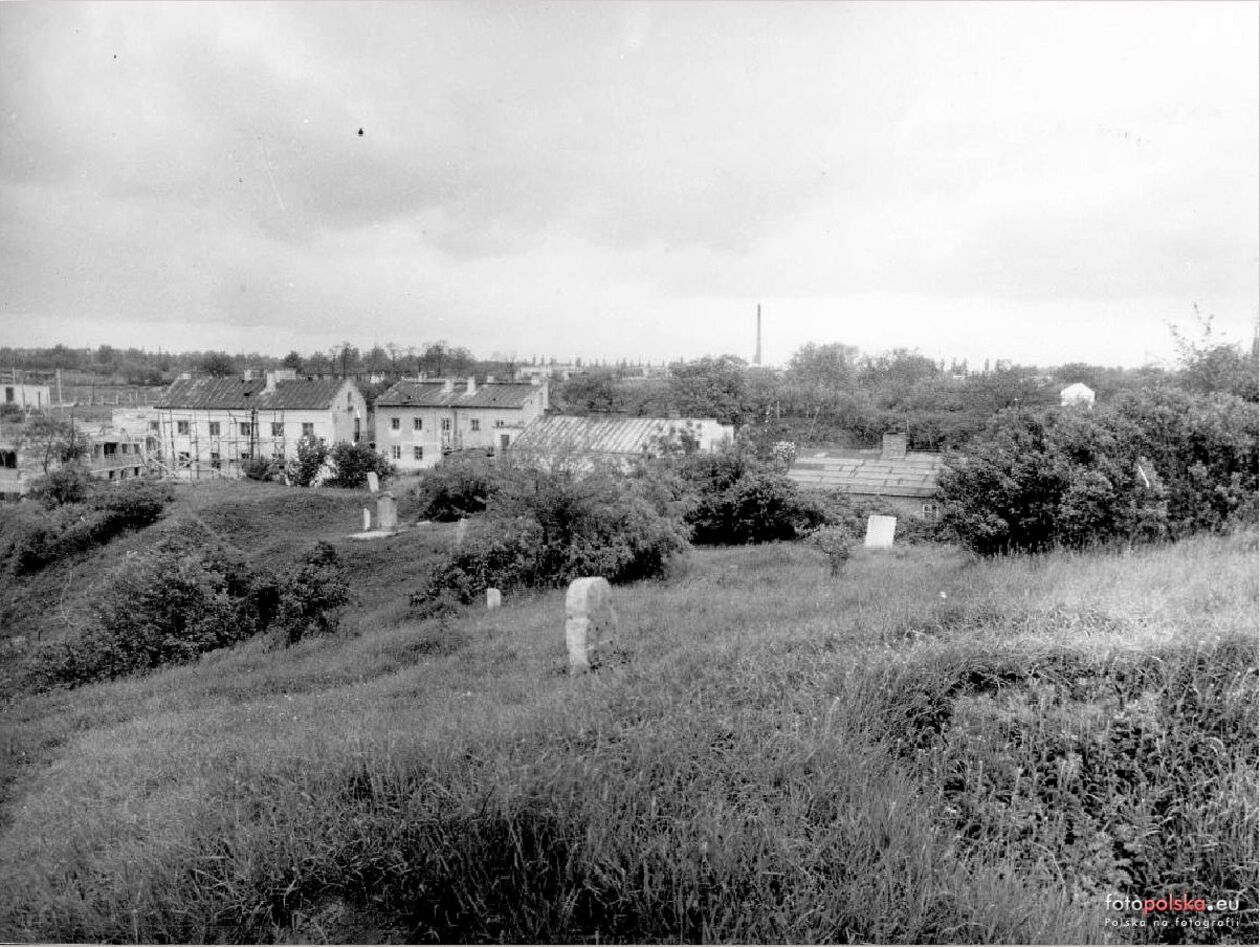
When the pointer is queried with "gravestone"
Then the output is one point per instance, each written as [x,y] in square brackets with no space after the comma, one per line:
[367,519]
[374,482]
[589,621]
[386,512]
[461,532]
[879,532]
[494,598]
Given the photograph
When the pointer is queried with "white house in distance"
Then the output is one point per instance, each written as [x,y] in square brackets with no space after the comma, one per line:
[27,397]
[1077,394]
[417,422]
[207,427]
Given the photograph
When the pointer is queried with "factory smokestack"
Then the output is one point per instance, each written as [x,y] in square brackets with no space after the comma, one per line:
[757,357]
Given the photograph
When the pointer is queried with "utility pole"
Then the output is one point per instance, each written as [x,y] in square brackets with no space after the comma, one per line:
[757,357]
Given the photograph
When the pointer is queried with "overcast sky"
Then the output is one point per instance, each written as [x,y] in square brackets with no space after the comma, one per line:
[1039,182]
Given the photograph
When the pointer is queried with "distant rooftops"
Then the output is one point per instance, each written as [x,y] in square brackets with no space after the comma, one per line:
[459,394]
[274,391]
[891,471]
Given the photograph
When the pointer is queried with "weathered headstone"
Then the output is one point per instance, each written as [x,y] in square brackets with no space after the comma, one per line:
[589,621]
[367,519]
[374,482]
[879,531]
[386,512]
[494,598]
[461,532]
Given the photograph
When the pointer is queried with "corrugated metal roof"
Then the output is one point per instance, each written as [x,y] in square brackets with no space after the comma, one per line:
[595,435]
[867,473]
[303,394]
[431,394]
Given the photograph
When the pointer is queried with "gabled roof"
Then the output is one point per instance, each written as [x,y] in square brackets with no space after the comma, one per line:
[601,435]
[234,394]
[431,394]
[867,473]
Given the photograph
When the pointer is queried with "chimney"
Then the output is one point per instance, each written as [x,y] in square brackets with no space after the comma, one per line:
[489,379]
[448,386]
[472,385]
[894,447]
[248,374]
[270,378]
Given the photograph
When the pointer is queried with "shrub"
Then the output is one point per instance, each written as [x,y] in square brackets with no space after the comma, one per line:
[68,484]
[740,500]
[458,488]
[1150,465]
[311,456]
[312,594]
[353,462]
[836,543]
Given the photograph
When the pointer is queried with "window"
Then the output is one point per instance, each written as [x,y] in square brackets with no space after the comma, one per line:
[277,429]
[308,428]
[476,424]
[155,427]
[124,448]
[181,427]
[504,440]
[214,428]
[446,424]
[417,424]
[396,451]
[417,453]
[498,422]
[184,457]
[215,461]
[246,455]
[395,423]
[247,429]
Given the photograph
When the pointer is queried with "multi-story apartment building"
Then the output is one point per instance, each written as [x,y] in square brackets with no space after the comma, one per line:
[208,427]
[418,422]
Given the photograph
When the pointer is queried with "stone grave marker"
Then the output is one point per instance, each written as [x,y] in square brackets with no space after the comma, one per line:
[589,621]
[386,511]
[367,519]
[879,532]
[494,599]
[461,532]
[374,482]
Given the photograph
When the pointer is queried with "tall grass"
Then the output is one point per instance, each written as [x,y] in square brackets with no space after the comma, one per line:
[928,749]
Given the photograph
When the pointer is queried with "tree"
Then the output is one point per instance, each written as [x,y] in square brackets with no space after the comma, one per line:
[53,441]
[1209,364]
[217,364]
[352,463]
[293,360]
[827,367]
[593,392]
[710,387]
[70,483]
[311,455]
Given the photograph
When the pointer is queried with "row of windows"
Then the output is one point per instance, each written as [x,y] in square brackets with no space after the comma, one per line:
[246,428]
[417,453]
[417,424]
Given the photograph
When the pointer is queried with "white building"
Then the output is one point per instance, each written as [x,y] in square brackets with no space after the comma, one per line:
[27,397]
[418,422]
[208,427]
[1077,394]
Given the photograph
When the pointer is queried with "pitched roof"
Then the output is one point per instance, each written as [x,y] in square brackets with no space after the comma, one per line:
[602,435]
[431,394]
[867,473]
[303,394]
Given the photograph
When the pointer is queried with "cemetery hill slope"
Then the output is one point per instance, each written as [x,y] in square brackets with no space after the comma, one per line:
[927,748]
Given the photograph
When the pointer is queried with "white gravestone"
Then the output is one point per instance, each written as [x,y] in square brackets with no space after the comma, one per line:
[879,531]
[386,512]
[367,519]
[374,482]
[494,598]
[589,621]
[461,532]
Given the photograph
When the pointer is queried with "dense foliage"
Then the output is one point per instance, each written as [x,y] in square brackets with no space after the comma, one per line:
[458,487]
[92,513]
[352,463]
[187,594]
[546,527]
[312,453]
[1164,463]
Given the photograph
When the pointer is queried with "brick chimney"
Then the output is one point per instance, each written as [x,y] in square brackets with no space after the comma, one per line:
[448,386]
[472,385]
[894,447]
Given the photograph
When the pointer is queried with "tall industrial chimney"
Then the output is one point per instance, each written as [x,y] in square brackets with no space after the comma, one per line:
[757,357]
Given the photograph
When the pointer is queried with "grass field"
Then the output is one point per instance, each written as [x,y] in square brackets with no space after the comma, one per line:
[928,749]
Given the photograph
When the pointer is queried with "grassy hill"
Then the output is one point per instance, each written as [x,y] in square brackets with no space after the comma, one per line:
[929,748]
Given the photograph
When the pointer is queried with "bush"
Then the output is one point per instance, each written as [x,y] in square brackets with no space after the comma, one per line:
[458,488]
[740,500]
[312,594]
[68,484]
[260,468]
[1151,465]
[546,528]
[353,462]
[836,543]
[311,456]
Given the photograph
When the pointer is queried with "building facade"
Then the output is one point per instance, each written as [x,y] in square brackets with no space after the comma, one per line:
[419,422]
[27,397]
[211,427]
